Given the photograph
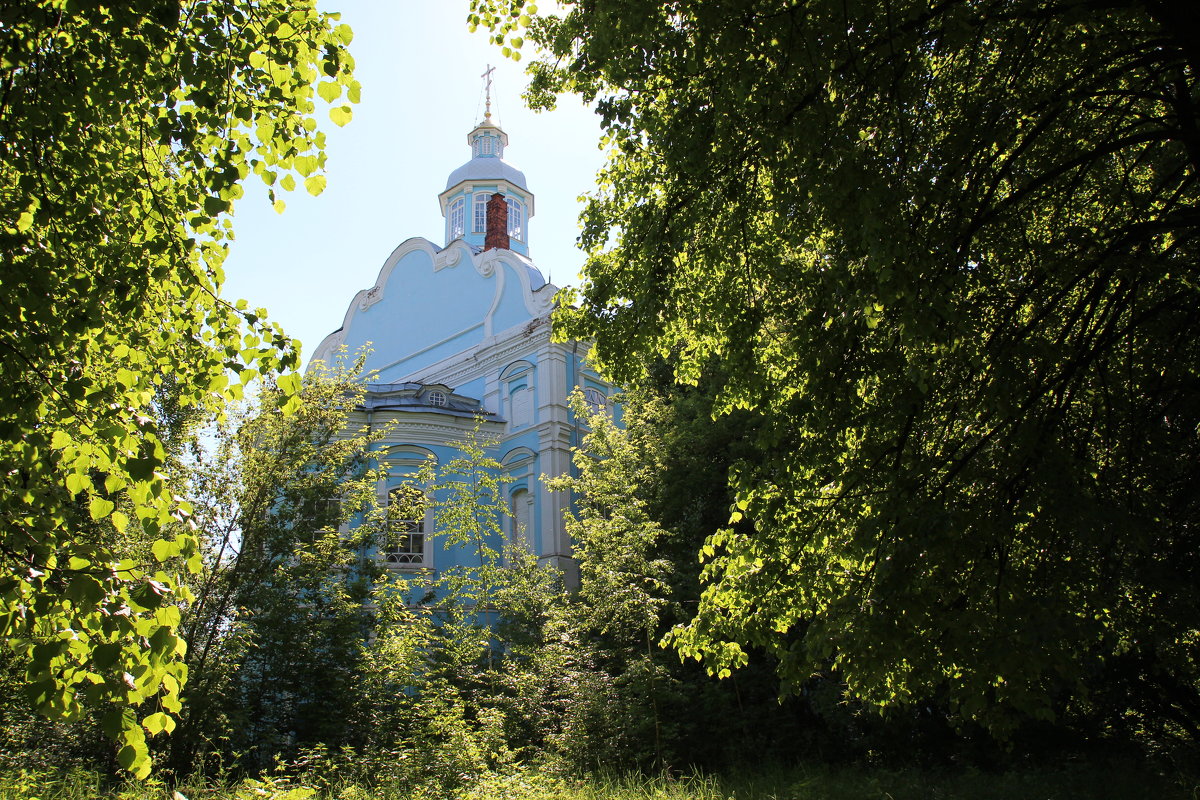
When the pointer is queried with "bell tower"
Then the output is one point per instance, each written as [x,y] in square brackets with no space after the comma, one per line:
[470,191]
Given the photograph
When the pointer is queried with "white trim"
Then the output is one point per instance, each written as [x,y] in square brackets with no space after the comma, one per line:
[430,428]
[427,531]
[516,210]
[489,355]
[405,455]
[457,209]
[518,457]
[538,302]
[479,212]
[488,186]
[426,349]
[516,369]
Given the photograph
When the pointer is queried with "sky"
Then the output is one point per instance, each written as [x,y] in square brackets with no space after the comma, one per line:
[422,93]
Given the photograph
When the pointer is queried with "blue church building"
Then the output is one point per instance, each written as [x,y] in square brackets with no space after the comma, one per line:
[461,332]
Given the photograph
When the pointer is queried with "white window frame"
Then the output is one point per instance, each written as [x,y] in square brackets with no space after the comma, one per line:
[457,218]
[521,499]
[479,212]
[516,218]
[522,411]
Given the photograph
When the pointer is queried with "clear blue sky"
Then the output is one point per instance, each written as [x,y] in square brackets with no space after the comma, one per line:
[422,93]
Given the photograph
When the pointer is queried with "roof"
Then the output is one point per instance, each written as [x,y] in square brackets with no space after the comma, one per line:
[420,397]
[487,168]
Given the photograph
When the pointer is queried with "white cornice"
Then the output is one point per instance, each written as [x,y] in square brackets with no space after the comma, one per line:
[491,354]
[427,429]
[501,185]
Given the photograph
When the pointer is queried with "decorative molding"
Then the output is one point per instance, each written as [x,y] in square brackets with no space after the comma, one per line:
[451,255]
[492,353]
[554,433]
[328,346]
[404,248]
[370,297]
[472,185]
[516,369]
[428,429]
[485,265]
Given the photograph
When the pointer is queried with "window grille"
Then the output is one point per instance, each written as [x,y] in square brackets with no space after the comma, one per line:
[481,213]
[595,399]
[457,218]
[405,544]
[516,219]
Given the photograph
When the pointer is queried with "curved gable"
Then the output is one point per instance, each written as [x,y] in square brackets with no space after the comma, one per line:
[428,304]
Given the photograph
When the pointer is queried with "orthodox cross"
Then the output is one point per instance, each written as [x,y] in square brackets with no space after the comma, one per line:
[487,76]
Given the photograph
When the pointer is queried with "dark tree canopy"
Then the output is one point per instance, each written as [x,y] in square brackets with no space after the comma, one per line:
[947,251]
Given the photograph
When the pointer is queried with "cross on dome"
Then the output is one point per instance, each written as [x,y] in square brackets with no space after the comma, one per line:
[487,87]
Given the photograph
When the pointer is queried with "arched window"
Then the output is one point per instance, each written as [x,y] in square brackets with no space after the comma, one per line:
[595,399]
[522,513]
[517,381]
[457,218]
[405,544]
[516,219]
[481,213]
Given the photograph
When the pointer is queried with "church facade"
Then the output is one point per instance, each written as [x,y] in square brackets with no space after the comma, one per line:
[460,334]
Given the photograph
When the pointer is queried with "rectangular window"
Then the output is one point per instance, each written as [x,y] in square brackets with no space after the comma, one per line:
[405,546]
[522,504]
[515,221]
[521,400]
[456,218]
[481,213]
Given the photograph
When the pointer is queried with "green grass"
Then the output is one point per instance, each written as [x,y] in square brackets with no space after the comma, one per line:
[1091,782]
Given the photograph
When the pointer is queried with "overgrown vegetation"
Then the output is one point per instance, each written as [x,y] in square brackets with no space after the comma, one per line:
[903,297]
[809,783]
[944,256]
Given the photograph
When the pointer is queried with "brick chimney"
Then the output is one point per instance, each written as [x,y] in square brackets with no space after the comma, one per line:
[496,233]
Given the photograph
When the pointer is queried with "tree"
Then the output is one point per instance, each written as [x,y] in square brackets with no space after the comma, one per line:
[278,621]
[946,252]
[444,670]
[126,132]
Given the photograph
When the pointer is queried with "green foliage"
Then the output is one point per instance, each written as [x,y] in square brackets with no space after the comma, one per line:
[439,674]
[278,621]
[945,254]
[600,670]
[607,696]
[1105,781]
[126,132]
[504,21]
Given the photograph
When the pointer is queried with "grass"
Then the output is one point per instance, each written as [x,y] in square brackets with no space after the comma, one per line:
[1091,782]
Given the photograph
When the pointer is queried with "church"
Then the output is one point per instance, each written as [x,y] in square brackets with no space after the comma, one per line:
[460,333]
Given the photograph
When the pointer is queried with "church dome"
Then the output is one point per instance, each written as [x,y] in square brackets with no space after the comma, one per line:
[470,189]
[487,168]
